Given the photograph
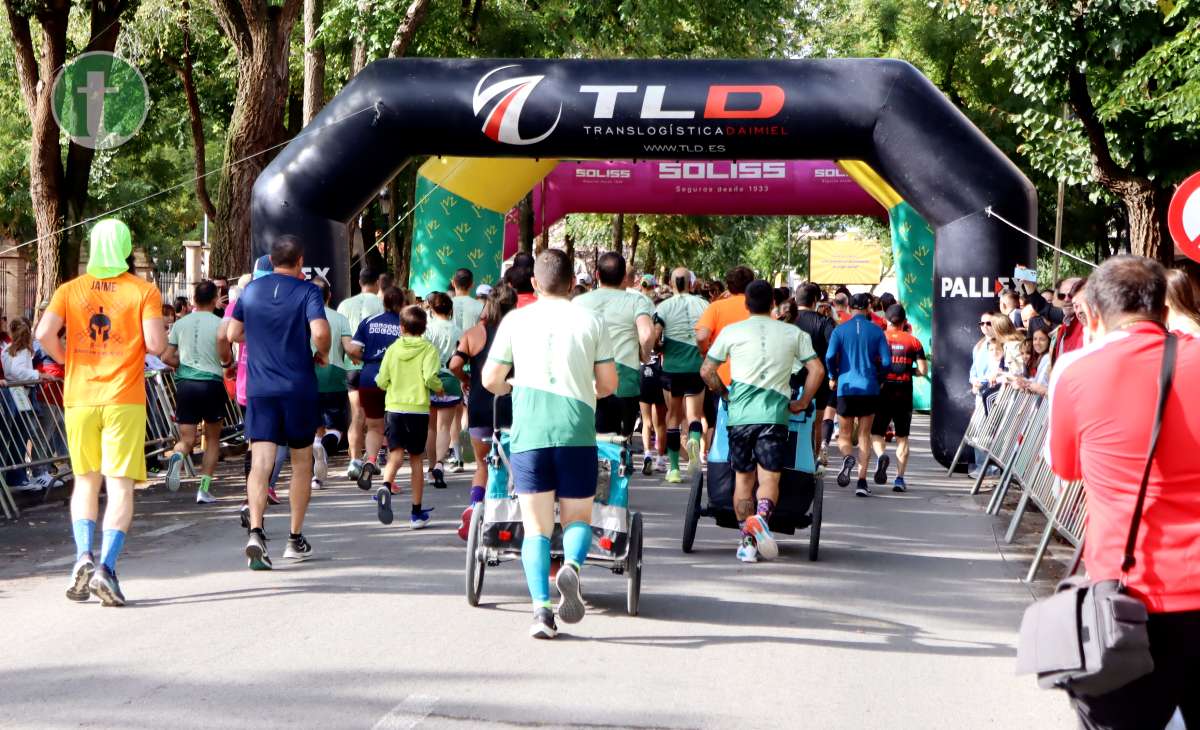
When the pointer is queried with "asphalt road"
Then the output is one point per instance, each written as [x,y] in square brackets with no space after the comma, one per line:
[907,621]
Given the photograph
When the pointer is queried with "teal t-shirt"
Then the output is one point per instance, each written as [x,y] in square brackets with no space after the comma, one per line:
[762,353]
[444,334]
[466,312]
[679,316]
[195,337]
[553,347]
[620,310]
[332,377]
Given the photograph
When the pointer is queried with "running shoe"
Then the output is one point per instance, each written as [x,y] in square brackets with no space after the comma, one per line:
[244,515]
[366,474]
[382,456]
[45,481]
[648,463]
[204,497]
[455,462]
[174,467]
[863,489]
[81,575]
[747,552]
[104,584]
[848,464]
[661,463]
[354,469]
[693,455]
[272,497]
[329,442]
[823,458]
[316,484]
[881,469]
[570,603]
[439,476]
[298,549]
[673,477]
[543,624]
[320,462]
[256,552]
[768,549]
[383,505]
[899,485]
[465,527]
[420,519]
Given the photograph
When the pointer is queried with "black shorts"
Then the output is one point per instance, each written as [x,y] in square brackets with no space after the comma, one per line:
[825,397]
[652,386]
[407,431]
[895,405]
[615,414]
[685,384]
[335,410]
[857,406]
[758,445]
[200,400]
[710,408]
[352,379]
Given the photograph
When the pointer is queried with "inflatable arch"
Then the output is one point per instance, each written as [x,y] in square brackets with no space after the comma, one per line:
[882,112]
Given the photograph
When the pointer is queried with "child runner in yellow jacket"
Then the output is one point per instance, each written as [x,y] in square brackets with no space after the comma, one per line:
[408,373]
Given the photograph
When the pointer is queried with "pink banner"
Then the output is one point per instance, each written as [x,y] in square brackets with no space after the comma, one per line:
[747,187]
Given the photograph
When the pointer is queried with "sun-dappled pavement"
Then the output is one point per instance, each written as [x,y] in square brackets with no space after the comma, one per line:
[907,621]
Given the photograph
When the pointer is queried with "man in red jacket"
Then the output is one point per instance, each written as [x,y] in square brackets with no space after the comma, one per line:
[1124,308]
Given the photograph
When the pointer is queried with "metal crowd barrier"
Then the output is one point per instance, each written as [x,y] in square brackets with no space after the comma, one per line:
[1012,434]
[33,438]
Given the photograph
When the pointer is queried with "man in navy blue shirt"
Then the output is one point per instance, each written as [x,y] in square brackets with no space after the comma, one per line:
[372,339]
[282,318]
[857,360]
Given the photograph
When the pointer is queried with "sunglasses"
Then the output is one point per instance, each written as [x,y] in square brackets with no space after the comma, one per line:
[1065,296]
[985,324]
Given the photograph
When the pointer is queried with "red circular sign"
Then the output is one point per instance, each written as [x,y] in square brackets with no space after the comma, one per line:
[1183,217]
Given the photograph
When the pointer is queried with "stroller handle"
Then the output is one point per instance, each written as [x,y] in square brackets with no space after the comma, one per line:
[611,438]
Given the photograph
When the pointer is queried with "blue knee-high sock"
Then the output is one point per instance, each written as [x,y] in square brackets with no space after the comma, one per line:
[535,556]
[110,548]
[85,532]
[577,538]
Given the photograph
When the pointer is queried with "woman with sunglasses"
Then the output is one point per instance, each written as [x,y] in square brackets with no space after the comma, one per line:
[983,370]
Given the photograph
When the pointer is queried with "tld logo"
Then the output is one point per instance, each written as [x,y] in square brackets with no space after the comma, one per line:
[503,122]
[974,287]
[770,100]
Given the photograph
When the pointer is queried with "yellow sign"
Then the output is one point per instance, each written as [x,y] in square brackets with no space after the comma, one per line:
[845,262]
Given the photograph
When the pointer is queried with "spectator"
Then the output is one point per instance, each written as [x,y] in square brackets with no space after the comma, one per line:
[182,308]
[1182,314]
[983,369]
[483,292]
[1037,362]
[1010,306]
[1105,446]
[841,307]
[168,315]
[18,408]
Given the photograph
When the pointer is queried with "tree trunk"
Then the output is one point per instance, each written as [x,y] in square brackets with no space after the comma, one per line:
[569,246]
[261,36]
[186,75]
[1145,208]
[314,60]
[635,235]
[525,223]
[408,28]
[618,243]
[358,57]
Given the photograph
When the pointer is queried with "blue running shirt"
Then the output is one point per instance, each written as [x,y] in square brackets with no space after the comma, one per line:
[375,335]
[276,310]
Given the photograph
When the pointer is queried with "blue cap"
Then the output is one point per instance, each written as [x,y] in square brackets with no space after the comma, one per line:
[263,266]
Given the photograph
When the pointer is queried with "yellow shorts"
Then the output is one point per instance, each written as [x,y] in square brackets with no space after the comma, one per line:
[107,439]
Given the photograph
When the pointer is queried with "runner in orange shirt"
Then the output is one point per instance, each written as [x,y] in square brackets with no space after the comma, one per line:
[112,319]
[720,314]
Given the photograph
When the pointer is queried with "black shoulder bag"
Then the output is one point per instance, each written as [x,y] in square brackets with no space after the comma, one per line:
[1090,637]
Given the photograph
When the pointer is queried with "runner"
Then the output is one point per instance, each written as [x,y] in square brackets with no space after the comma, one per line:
[723,311]
[333,404]
[441,330]
[762,354]
[653,405]
[896,396]
[675,323]
[372,339]
[275,315]
[355,309]
[199,391]
[857,358]
[473,350]
[466,307]
[819,329]
[563,361]
[113,319]
[629,319]
[408,372]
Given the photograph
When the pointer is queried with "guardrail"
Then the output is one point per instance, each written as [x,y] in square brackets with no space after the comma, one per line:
[1011,434]
[33,443]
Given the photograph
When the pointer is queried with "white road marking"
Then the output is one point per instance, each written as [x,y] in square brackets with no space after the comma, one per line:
[167,529]
[408,714]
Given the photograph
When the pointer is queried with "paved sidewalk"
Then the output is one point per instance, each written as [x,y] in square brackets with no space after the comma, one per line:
[907,621]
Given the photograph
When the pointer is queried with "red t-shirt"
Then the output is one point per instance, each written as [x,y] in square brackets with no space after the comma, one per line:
[1070,338]
[523,299]
[880,322]
[1102,400]
[906,350]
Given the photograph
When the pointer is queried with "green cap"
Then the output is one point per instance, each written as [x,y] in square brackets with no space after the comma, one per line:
[111,246]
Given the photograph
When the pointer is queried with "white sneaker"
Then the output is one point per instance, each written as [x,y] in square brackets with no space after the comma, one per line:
[661,463]
[203,497]
[316,484]
[320,462]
